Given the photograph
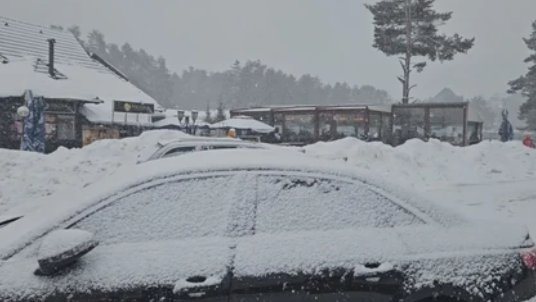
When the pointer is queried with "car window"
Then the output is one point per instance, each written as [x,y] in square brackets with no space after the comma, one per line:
[290,203]
[179,150]
[181,209]
[218,147]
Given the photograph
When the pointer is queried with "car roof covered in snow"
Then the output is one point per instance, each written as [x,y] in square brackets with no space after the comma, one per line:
[62,206]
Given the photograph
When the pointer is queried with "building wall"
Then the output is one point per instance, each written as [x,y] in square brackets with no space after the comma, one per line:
[10,124]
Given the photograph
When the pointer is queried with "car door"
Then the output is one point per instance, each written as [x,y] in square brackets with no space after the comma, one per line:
[167,239]
[319,238]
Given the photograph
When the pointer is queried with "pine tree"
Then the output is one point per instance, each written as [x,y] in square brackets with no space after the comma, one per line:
[526,85]
[220,114]
[75,30]
[208,115]
[409,28]
[96,43]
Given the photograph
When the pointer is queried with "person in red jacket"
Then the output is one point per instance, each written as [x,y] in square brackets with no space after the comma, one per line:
[527,141]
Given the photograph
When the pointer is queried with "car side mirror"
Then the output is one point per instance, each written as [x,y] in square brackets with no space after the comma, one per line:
[63,248]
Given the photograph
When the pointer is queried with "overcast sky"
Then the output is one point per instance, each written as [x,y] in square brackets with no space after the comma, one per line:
[328,38]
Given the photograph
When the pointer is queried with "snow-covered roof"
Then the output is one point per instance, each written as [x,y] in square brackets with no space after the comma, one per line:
[25,49]
[242,122]
[285,108]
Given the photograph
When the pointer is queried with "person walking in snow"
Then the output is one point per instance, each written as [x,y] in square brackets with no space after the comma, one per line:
[506,132]
[527,141]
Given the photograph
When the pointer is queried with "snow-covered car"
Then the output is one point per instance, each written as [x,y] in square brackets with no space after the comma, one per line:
[257,225]
[190,144]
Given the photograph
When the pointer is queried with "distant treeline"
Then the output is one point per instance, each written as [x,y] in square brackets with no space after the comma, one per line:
[243,84]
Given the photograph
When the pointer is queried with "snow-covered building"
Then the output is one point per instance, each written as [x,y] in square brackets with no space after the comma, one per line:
[86,98]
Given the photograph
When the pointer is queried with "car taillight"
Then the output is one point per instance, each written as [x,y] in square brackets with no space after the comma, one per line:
[529,259]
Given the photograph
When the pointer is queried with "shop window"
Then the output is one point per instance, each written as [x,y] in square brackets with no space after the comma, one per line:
[299,127]
[408,123]
[474,133]
[446,124]
[375,125]
[50,127]
[66,127]
[336,125]
[386,127]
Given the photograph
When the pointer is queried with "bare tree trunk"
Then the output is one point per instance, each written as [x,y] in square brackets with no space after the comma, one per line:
[407,62]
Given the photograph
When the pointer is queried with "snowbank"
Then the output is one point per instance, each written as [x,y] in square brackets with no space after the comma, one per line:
[26,176]
[434,164]
[489,180]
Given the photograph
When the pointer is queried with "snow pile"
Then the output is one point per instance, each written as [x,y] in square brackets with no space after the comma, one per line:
[27,176]
[490,180]
[434,164]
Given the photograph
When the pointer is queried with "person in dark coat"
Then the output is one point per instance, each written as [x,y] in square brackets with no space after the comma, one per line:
[506,131]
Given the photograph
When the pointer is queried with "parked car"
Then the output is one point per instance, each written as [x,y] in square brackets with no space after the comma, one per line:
[263,225]
[185,145]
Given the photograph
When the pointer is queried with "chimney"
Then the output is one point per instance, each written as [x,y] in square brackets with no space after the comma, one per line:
[51,57]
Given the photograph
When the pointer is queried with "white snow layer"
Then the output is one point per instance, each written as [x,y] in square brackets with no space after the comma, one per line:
[60,241]
[25,177]
[490,180]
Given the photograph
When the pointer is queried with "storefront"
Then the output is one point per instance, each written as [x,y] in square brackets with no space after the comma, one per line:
[62,123]
[307,124]
[448,122]
[126,119]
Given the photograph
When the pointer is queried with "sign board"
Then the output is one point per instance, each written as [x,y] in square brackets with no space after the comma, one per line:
[131,107]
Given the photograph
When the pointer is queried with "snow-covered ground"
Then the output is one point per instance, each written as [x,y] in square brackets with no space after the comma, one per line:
[490,180]
[25,176]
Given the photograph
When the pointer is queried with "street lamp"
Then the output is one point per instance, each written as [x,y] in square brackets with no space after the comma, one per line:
[23,111]
[195,114]
[180,115]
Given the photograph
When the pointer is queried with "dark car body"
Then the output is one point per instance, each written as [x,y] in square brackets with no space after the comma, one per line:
[264,226]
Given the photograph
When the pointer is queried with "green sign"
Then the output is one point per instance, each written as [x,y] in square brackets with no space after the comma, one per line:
[131,107]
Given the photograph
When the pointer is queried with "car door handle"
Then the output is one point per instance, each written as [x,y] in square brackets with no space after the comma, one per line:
[192,286]
[196,279]
[372,271]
